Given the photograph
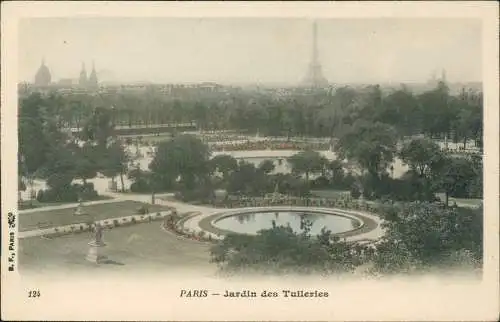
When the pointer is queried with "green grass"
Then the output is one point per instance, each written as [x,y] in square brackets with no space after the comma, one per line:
[155,139]
[330,193]
[461,202]
[59,217]
[141,246]
[158,194]
[27,204]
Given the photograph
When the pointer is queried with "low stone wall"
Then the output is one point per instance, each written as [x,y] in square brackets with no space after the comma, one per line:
[366,224]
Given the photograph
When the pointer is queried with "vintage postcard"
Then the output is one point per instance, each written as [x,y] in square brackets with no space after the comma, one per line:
[250,161]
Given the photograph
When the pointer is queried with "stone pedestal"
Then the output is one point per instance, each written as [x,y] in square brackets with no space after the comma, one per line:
[96,250]
[79,211]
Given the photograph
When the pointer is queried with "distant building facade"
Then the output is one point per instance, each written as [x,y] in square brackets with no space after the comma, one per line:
[43,81]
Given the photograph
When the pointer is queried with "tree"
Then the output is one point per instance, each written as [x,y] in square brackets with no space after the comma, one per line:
[421,155]
[99,127]
[21,186]
[290,185]
[200,115]
[225,164]
[336,172]
[60,172]
[425,160]
[307,162]
[267,166]
[281,250]
[468,123]
[115,161]
[437,111]
[241,180]
[371,145]
[86,163]
[185,156]
[423,235]
[34,143]
[476,185]
[455,176]
[401,110]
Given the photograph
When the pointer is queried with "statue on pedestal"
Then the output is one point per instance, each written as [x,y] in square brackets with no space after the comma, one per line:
[98,234]
[95,251]
[79,209]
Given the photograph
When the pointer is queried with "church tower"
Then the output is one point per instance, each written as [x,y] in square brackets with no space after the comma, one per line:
[314,77]
[443,76]
[83,77]
[93,82]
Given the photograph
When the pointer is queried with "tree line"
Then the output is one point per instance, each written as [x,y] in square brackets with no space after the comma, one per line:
[434,113]
[47,152]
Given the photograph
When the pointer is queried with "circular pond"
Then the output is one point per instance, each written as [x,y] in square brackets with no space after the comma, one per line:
[251,223]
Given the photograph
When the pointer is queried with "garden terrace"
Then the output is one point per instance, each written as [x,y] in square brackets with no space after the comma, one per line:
[62,217]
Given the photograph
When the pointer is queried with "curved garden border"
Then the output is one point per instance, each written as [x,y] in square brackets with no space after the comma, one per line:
[367,224]
[109,223]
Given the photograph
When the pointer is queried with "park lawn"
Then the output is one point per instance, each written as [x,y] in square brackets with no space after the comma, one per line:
[156,139]
[461,202]
[140,246]
[60,217]
[27,204]
[330,193]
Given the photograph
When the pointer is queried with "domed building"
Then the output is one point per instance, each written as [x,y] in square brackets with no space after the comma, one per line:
[42,76]
[83,83]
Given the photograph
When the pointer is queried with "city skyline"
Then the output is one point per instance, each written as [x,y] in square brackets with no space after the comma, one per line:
[251,50]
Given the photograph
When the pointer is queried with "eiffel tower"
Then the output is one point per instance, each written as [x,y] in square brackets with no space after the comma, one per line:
[314,77]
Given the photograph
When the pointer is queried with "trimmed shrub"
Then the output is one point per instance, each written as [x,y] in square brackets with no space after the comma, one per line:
[355,193]
[320,182]
[67,194]
[142,210]
[86,191]
[141,185]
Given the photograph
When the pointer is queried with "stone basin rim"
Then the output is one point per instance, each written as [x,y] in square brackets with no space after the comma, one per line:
[366,224]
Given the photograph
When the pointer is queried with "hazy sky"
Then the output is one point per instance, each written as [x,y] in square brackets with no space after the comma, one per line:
[251,50]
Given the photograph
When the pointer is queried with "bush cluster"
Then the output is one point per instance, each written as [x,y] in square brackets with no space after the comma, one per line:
[69,193]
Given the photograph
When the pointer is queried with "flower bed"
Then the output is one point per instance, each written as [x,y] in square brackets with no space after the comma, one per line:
[270,145]
[109,224]
[173,223]
[342,202]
